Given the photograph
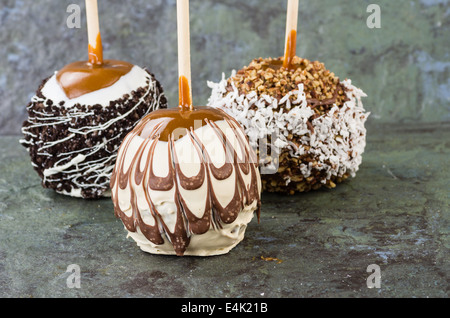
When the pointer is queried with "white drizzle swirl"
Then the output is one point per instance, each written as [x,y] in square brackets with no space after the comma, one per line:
[75,165]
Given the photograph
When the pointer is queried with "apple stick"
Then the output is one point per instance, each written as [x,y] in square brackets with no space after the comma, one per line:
[291,33]
[95,42]
[184,56]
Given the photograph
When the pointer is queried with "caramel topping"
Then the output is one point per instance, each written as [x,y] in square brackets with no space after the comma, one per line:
[185,100]
[176,123]
[290,49]
[274,64]
[79,78]
[96,53]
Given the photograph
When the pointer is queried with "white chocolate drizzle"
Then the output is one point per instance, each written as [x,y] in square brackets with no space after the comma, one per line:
[74,165]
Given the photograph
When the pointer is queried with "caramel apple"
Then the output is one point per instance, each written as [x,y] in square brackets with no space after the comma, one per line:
[313,121]
[81,114]
[186,181]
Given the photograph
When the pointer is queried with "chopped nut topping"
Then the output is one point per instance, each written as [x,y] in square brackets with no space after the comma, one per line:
[267,76]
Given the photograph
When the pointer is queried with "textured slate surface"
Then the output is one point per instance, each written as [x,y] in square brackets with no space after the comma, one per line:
[395,214]
[403,67]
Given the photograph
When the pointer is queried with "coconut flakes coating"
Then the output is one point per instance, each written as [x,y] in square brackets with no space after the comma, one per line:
[313,121]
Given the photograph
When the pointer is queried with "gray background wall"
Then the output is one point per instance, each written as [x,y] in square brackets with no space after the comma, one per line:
[403,67]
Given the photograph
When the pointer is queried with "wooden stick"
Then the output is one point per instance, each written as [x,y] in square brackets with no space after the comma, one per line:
[291,33]
[95,47]
[184,56]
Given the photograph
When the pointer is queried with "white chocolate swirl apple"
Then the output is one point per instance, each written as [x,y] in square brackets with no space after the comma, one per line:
[186,183]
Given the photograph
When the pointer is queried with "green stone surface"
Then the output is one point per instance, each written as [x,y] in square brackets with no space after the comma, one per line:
[404,66]
[394,213]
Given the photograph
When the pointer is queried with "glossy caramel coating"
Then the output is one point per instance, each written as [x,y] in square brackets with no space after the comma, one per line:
[176,123]
[82,77]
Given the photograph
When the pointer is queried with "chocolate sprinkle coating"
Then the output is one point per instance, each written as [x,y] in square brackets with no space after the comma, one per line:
[57,136]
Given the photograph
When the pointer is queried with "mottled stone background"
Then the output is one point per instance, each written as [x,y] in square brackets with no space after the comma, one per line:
[395,213]
[403,67]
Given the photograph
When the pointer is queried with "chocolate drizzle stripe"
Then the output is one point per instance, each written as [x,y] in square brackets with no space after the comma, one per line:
[161,183]
[153,233]
[138,174]
[247,167]
[195,225]
[123,183]
[229,213]
[194,182]
[226,170]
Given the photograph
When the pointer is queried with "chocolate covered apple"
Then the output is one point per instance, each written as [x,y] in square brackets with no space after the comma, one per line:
[81,114]
[313,120]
